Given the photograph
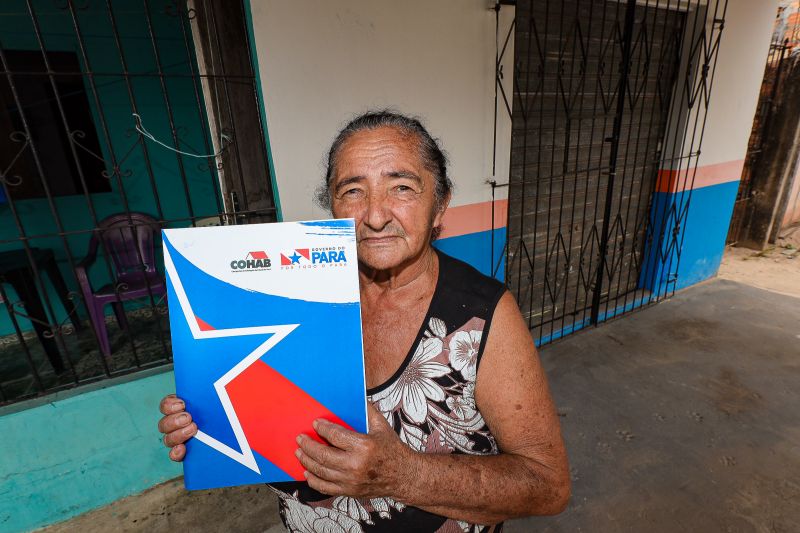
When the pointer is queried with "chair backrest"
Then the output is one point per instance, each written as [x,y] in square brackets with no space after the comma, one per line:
[129,240]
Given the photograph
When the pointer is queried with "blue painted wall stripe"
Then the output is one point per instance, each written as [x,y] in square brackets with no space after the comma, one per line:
[476,249]
[700,239]
[602,317]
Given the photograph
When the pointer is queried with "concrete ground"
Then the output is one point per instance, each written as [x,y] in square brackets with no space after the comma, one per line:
[680,417]
[683,416]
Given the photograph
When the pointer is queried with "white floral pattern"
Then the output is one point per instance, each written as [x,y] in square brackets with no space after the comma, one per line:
[415,386]
[464,347]
[437,327]
[383,506]
[353,508]
[431,406]
[303,518]
[413,436]
[463,407]
[344,515]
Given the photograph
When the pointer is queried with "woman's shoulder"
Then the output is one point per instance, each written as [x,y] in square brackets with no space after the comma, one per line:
[465,290]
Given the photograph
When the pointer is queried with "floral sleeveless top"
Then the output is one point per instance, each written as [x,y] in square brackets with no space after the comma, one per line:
[430,403]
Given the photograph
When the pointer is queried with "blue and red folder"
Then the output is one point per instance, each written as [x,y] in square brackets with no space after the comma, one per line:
[266,337]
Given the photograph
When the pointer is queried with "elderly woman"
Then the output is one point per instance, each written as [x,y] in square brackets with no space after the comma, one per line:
[462,428]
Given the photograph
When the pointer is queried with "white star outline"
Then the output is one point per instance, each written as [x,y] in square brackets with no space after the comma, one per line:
[278,333]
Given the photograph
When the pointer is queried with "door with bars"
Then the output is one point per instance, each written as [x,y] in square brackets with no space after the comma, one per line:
[118,118]
[605,99]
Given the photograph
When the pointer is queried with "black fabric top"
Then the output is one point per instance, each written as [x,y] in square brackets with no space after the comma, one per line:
[437,377]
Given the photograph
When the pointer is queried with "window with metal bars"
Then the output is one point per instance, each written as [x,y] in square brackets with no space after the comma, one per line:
[119,118]
[38,104]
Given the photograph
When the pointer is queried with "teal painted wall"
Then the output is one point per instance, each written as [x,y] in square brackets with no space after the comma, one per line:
[69,456]
[134,185]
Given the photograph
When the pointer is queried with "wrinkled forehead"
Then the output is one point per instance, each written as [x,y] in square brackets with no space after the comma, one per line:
[377,152]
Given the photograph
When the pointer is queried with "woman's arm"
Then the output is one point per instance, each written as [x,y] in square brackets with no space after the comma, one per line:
[529,477]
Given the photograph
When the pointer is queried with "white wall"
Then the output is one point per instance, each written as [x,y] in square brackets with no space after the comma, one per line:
[737,81]
[322,62]
[735,87]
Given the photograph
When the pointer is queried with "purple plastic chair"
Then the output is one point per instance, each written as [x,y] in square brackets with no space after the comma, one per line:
[130,250]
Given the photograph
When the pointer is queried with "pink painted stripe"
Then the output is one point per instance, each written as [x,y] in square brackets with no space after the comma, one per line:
[472,218]
[705,176]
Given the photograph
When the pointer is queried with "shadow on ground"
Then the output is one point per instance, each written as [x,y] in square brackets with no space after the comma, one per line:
[680,417]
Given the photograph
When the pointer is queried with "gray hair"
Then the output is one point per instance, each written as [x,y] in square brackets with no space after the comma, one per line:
[434,159]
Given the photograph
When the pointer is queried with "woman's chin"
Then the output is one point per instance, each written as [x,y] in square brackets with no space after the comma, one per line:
[382,257]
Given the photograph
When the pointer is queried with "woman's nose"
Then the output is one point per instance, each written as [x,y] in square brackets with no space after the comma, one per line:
[378,213]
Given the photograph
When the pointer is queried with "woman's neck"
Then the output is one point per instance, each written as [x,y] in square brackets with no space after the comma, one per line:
[415,273]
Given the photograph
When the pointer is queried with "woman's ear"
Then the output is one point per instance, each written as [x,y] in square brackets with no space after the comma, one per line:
[437,219]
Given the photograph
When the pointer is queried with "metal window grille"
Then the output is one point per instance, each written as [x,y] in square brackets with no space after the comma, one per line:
[141,112]
[609,106]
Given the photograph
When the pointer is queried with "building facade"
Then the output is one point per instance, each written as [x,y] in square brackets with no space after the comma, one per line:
[596,150]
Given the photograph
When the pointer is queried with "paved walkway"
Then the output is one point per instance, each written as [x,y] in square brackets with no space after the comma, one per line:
[684,416]
[680,417]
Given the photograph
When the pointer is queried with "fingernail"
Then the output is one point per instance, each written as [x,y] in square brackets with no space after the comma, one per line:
[299,439]
[315,424]
[180,406]
[183,419]
[305,474]
[188,430]
[298,453]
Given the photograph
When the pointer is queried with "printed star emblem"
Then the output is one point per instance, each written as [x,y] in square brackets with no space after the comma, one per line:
[295,258]
[201,331]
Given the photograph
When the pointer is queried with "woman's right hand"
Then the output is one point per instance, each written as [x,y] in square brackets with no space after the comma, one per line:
[176,425]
